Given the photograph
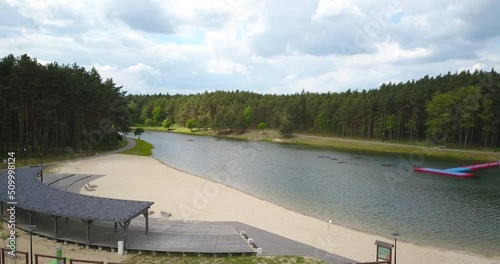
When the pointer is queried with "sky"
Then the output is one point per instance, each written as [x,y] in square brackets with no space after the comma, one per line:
[264,46]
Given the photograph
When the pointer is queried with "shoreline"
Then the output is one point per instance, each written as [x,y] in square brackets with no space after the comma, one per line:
[326,221]
[348,144]
[225,204]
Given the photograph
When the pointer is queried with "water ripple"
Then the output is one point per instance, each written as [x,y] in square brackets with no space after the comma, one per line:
[353,189]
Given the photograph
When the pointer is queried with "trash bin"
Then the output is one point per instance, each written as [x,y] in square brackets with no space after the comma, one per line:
[120,247]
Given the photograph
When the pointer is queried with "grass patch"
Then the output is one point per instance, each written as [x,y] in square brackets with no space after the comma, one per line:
[373,145]
[149,259]
[465,155]
[177,129]
[141,148]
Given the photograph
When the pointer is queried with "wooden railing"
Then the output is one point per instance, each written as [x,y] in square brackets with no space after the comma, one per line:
[71,261]
[49,257]
[383,262]
[4,255]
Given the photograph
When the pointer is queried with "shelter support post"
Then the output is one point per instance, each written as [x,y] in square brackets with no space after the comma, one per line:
[146,216]
[116,226]
[56,219]
[87,229]
[30,217]
[125,228]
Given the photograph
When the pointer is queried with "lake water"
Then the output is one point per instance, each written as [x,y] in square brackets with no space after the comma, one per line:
[371,192]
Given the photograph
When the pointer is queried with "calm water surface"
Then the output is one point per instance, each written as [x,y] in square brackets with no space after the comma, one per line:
[374,193]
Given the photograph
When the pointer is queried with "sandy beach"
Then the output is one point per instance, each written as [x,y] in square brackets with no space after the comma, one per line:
[190,197]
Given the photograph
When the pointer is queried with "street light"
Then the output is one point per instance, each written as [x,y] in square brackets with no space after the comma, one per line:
[30,229]
[395,235]
[41,163]
[24,156]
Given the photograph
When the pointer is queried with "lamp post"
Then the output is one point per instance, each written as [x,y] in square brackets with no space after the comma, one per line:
[41,164]
[30,229]
[395,235]
[24,156]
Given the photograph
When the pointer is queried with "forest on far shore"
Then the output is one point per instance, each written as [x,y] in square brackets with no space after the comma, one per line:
[460,109]
[50,107]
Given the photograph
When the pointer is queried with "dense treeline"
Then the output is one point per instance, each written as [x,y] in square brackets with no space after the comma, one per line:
[48,108]
[54,108]
[461,108]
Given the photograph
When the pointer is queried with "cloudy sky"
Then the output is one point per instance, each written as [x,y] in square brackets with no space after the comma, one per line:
[266,46]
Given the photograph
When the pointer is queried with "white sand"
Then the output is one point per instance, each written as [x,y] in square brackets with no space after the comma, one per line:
[189,197]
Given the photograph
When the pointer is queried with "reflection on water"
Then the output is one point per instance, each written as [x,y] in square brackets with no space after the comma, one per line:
[370,192]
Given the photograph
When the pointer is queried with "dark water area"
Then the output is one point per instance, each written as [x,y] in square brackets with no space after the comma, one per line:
[367,191]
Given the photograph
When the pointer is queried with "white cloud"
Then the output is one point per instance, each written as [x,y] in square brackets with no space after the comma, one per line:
[268,46]
[132,78]
[221,66]
[141,68]
[328,8]
[333,81]
[479,66]
[391,51]
[104,68]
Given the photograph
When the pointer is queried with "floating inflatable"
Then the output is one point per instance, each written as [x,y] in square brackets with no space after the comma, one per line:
[461,172]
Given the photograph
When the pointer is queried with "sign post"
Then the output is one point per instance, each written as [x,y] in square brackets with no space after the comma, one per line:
[59,253]
[384,251]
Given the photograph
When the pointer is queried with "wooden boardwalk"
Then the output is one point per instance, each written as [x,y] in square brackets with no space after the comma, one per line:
[164,235]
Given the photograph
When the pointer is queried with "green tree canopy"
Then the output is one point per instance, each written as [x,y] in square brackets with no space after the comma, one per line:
[167,123]
[149,122]
[392,110]
[138,132]
[191,124]
[158,115]
[204,121]
[261,127]
[323,122]
[248,116]
[58,108]
[286,127]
